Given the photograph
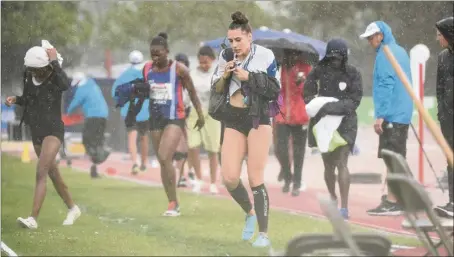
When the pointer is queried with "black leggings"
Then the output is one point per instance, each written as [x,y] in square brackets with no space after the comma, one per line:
[299,135]
[338,159]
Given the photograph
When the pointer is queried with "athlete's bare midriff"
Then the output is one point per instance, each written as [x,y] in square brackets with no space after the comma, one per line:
[237,100]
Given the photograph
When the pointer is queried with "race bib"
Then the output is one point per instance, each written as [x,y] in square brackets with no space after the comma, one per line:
[160,93]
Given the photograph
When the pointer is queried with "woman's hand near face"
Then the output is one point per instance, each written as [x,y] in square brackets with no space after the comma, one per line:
[242,74]
[229,67]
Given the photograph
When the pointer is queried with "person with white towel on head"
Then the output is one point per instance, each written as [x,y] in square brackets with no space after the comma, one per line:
[44,83]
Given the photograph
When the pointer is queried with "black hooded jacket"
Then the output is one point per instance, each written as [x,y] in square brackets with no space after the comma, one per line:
[343,83]
[445,80]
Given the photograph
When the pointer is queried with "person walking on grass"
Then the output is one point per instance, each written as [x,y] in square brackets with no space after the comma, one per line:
[44,83]
[163,83]
[247,121]
[445,99]
[392,104]
[332,92]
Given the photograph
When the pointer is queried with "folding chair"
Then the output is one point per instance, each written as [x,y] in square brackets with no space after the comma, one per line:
[342,243]
[360,244]
[415,201]
[396,163]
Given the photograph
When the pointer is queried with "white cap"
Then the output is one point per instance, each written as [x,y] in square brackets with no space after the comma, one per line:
[78,77]
[370,30]
[36,57]
[135,57]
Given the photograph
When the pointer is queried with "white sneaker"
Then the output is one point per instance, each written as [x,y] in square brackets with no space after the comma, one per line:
[173,210]
[73,215]
[196,186]
[29,222]
[214,189]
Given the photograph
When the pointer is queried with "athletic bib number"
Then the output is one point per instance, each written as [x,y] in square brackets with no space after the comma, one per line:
[160,93]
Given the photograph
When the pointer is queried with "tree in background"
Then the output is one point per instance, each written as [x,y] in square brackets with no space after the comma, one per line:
[191,21]
[24,24]
[412,23]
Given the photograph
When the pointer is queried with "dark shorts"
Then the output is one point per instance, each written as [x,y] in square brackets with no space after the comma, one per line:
[142,127]
[93,133]
[38,136]
[394,138]
[40,131]
[239,120]
[159,123]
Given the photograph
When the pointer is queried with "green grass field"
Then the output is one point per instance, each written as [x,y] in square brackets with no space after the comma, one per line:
[124,218]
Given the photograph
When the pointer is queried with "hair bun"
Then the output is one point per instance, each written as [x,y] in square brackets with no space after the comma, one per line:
[163,35]
[239,18]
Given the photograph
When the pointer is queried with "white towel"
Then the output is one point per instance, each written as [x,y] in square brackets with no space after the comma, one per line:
[327,125]
[46,45]
[37,57]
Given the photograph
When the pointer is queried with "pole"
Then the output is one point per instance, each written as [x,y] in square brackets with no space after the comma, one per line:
[421,126]
[434,129]
[108,63]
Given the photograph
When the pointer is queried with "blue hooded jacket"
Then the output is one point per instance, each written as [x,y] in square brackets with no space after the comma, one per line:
[391,100]
[131,74]
[90,97]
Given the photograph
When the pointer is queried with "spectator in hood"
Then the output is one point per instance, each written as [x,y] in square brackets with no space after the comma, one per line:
[292,121]
[135,124]
[445,98]
[89,96]
[392,103]
[334,77]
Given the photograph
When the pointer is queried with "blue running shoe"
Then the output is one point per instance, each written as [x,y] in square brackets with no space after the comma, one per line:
[249,227]
[262,241]
[344,213]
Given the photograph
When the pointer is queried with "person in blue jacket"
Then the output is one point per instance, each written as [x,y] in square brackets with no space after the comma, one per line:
[89,96]
[392,103]
[135,124]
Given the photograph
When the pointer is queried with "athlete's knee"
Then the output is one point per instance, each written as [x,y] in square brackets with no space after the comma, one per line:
[229,180]
[41,172]
[53,171]
[164,157]
[329,168]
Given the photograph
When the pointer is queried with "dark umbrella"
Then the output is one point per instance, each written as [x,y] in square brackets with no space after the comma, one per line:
[282,46]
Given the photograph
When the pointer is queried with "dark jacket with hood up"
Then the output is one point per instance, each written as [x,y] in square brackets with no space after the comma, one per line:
[445,80]
[343,83]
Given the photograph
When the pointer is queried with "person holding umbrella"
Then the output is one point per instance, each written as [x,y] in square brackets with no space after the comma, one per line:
[336,87]
[292,121]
